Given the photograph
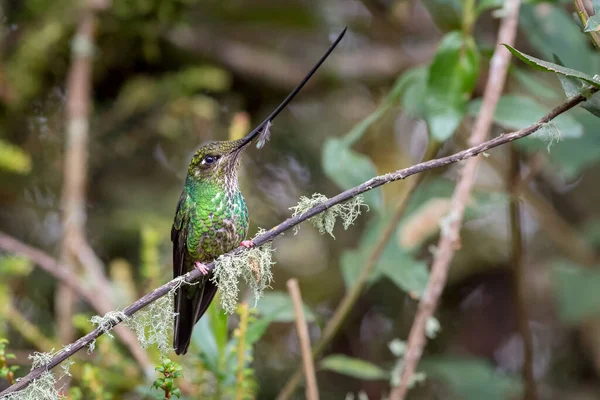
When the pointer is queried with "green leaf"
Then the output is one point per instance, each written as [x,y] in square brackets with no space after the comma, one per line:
[593,24]
[204,341]
[410,89]
[576,290]
[15,266]
[573,87]
[536,87]
[359,129]
[257,329]
[278,307]
[353,262]
[452,77]
[395,263]
[348,168]
[551,67]
[573,156]
[592,232]
[518,112]
[354,367]
[567,42]
[408,274]
[473,379]
[218,324]
[401,90]
[13,159]
[485,5]
[447,14]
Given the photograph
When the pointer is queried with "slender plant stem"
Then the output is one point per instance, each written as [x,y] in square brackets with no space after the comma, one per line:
[25,328]
[271,234]
[519,273]
[241,350]
[563,234]
[584,17]
[343,310]
[312,392]
[75,247]
[450,236]
[76,154]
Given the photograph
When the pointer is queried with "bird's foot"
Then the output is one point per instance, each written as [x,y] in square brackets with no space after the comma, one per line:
[247,243]
[202,268]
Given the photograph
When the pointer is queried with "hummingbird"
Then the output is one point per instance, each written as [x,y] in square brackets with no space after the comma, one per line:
[212,218]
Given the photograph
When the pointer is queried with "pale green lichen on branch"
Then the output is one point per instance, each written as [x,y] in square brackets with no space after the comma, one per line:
[253,265]
[325,221]
[152,325]
[108,321]
[44,387]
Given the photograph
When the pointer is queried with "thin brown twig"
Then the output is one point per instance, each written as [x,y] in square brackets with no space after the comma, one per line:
[584,17]
[347,303]
[518,265]
[312,391]
[535,167]
[241,350]
[289,223]
[449,239]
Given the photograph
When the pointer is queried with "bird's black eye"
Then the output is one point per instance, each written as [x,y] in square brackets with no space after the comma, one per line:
[208,160]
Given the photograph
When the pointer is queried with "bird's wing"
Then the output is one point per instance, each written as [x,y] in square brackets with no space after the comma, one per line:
[184,303]
[179,234]
[191,302]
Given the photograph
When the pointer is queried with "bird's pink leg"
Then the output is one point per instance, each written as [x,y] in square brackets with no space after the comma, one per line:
[202,268]
[247,243]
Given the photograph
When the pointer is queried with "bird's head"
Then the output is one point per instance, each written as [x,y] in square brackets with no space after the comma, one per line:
[218,162]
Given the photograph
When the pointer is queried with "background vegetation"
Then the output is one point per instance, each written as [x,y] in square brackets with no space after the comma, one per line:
[404,84]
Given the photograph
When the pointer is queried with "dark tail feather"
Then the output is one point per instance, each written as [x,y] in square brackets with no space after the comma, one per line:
[189,312]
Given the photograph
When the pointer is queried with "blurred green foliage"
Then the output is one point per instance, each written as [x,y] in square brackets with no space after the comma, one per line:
[6,371]
[156,97]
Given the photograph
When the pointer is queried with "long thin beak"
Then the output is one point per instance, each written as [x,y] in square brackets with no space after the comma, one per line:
[248,138]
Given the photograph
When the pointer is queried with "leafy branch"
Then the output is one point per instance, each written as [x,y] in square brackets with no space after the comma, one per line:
[268,236]
[170,371]
[6,371]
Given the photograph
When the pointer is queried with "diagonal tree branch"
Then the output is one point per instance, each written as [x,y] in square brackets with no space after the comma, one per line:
[450,237]
[293,221]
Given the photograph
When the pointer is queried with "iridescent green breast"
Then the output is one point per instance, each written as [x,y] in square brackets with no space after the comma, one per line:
[218,221]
